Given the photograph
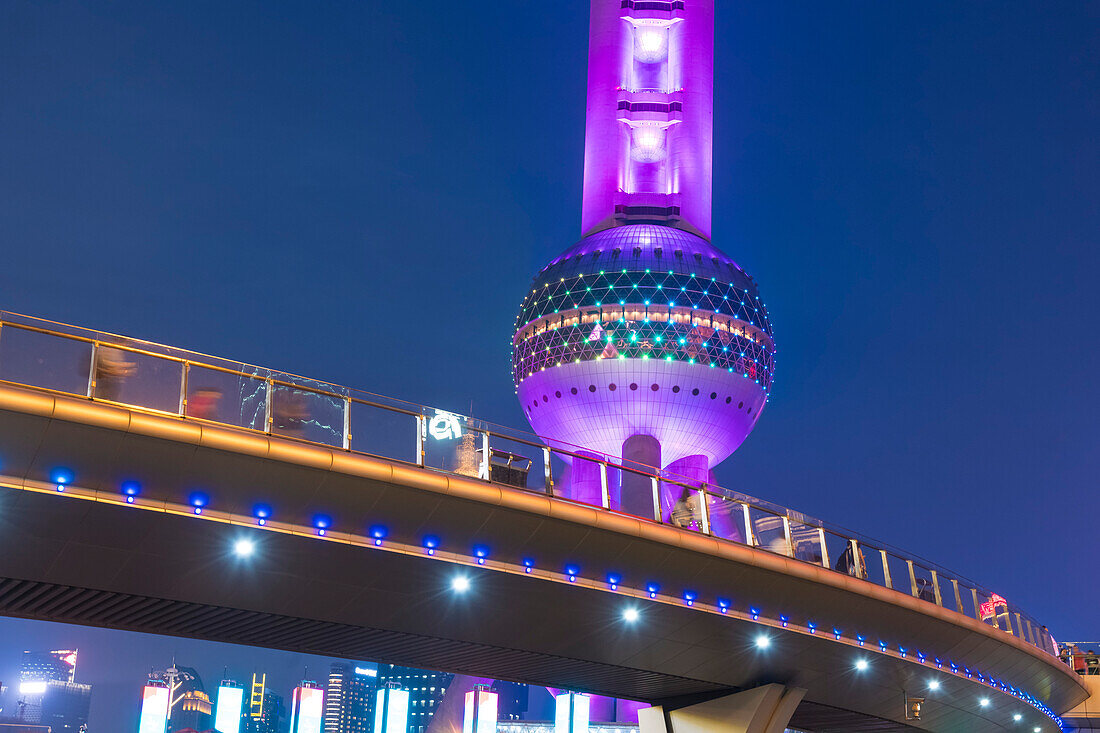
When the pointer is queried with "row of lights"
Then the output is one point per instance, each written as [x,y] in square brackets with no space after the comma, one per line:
[63,477]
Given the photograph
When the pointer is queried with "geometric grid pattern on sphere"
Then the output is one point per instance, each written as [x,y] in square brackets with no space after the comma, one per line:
[644,291]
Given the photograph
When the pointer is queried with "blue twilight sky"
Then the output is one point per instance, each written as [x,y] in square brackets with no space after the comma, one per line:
[361,192]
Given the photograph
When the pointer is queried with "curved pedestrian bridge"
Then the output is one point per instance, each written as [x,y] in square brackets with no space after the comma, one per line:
[131,468]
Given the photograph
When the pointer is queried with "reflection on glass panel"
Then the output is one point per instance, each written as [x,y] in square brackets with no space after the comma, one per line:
[300,413]
[681,505]
[381,432]
[42,360]
[516,464]
[872,564]
[578,479]
[137,379]
[727,518]
[947,592]
[925,588]
[225,397]
[807,543]
[899,574]
[767,531]
[559,469]
[452,445]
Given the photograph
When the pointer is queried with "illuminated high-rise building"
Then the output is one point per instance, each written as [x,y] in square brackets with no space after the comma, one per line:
[49,693]
[265,708]
[307,709]
[644,340]
[229,711]
[426,690]
[349,698]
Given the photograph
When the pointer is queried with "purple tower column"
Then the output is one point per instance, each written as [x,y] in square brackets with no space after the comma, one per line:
[649,119]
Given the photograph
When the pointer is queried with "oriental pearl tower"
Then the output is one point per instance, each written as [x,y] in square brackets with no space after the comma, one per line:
[643,340]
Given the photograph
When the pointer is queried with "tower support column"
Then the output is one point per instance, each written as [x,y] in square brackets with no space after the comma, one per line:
[765,709]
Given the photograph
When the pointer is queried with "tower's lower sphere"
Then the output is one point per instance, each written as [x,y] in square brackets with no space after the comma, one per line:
[644,330]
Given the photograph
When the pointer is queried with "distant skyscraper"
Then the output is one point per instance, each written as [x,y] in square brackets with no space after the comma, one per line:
[189,705]
[229,713]
[426,690]
[265,708]
[307,708]
[349,698]
[49,693]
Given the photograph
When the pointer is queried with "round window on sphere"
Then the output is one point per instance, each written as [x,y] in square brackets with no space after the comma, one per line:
[713,395]
[695,392]
[557,394]
[729,400]
[633,386]
[591,388]
[740,404]
[612,387]
[573,390]
[676,388]
[654,387]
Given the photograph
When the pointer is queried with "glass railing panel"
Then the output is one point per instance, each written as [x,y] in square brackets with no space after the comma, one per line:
[899,574]
[926,590]
[872,564]
[44,360]
[452,444]
[966,595]
[807,543]
[226,397]
[727,518]
[382,432]
[947,591]
[768,532]
[137,379]
[516,464]
[681,505]
[841,558]
[312,416]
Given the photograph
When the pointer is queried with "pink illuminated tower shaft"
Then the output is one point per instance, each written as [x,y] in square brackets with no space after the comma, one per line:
[649,131]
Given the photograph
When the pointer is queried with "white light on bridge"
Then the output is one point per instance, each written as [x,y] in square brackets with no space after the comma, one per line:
[244,548]
[984,702]
[630,615]
[460,584]
[763,641]
[1017,717]
[934,685]
[861,664]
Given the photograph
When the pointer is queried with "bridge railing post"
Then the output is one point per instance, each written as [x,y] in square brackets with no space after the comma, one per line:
[485,467]
[655,485]
[857,560]
[750,536]
[605,496]
[824,548]
[787,536]
[421,434]
[547,472]
[269,404]
[347,423]
[704,510]
[91,370]
[184,374]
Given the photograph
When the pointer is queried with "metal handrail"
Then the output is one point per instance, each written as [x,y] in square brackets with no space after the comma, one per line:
[793,533]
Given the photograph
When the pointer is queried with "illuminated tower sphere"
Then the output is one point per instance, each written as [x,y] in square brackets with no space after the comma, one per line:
[643,340]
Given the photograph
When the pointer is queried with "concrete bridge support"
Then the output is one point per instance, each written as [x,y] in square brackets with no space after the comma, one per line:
[765,709]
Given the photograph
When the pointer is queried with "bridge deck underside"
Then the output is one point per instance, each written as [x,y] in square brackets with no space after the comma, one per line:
[66,559]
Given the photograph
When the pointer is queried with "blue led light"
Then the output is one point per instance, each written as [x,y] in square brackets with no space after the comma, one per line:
[130,489]
[784,620]
[724,605]
[613,580]
[61,477]
[528,564]
[812,627]
[378,532]
[572,571]
[431,542]
[860,639]
[836,633]
[689,597]
[652,589]
[481,552]
[322,522]
[198,500]
[754,612]
[262,512]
